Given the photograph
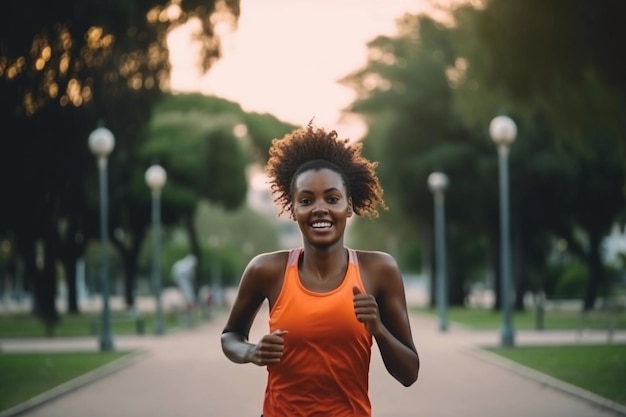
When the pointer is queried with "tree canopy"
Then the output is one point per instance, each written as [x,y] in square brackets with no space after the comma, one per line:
[429,93]
[65,67]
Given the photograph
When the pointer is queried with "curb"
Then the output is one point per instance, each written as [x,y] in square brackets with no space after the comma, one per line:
[74,384]
[544,379]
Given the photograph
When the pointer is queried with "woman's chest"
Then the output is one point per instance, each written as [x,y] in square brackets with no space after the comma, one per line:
[315,316]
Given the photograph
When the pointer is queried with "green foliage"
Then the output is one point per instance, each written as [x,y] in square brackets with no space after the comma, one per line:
[226,184]
[388,233]
[65,67]
[262,129]
[198,104]
[414,132]
[246,229]
[231,264]
[569,281]
[572,282]
[198,141]
[173,250]
[429,94]
[235,237]
[191,137]
[22,325]
[410,256]
[555,57]
[192,114]
[229,237]
[194,137]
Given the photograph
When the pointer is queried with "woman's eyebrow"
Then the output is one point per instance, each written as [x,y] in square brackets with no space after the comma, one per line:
[328,190]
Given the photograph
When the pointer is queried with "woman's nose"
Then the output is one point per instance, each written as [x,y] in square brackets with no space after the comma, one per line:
[320,207]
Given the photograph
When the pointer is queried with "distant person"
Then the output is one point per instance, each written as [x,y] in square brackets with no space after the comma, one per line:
[183,274]
[327,302]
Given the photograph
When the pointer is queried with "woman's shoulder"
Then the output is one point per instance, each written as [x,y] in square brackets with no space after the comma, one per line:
[380,272]
[376,260]
[268,263]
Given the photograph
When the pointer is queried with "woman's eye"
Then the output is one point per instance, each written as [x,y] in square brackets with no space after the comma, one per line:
[305,201]
[333,200]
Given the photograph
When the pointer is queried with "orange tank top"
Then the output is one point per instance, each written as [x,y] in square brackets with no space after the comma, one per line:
[324,370]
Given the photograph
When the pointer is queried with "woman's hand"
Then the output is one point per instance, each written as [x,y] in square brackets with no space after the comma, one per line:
[366,310]
[270,348]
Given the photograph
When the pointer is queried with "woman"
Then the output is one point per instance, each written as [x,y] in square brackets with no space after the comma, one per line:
[326,301]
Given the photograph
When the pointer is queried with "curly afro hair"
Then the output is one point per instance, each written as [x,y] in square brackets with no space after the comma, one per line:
[314,148]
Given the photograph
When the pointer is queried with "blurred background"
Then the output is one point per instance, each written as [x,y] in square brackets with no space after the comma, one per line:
[200,89]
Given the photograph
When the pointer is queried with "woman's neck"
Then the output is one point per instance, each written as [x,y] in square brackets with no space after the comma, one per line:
[324,263]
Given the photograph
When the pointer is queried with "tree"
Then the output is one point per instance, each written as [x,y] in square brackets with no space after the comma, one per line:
[428,100]
[64,65]
[558,57]
[554,60]
[195,138]
[405,95]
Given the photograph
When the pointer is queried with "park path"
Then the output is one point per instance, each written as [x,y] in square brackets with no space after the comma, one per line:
[185,374]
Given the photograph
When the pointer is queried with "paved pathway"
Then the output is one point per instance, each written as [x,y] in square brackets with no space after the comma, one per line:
[185,374]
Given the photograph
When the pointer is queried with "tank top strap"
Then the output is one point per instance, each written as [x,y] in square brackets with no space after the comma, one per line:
[294,254]
[352,257]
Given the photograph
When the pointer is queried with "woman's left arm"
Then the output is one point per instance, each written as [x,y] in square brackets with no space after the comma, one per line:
[384,313]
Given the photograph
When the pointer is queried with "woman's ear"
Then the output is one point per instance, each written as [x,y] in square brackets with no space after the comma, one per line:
[350,211]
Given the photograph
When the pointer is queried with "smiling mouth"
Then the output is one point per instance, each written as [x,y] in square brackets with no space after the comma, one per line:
[321,225]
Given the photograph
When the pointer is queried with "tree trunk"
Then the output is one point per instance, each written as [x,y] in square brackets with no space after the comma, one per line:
[72,290]
[130,282]
[456,290]
[43,281]
[596,271]
[48,285]
[130,259]
[71,249]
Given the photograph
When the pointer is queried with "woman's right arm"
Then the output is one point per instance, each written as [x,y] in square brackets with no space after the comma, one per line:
[258,280]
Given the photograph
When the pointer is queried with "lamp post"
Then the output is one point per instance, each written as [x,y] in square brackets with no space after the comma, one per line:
[438,183]
[503,131]
[156,178]
[101,143]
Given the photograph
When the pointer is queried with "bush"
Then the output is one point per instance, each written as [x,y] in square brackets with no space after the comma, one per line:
[572,282]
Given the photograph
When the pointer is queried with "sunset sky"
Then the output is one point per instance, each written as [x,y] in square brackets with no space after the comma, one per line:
[286,56]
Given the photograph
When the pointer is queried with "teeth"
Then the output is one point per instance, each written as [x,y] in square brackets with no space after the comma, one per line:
[321,224]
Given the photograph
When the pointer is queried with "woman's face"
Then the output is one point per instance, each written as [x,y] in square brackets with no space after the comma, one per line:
[321,206]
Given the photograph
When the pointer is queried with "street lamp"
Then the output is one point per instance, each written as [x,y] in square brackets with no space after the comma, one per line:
[438,183]
[101,143]
[240,130]
[156,178]
[503,131]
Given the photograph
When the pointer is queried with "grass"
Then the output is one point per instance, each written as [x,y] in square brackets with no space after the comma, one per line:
[487,319]
[26,375]
[24,325]
[600,369]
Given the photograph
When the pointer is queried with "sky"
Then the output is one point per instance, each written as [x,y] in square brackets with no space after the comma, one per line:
[286,57]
